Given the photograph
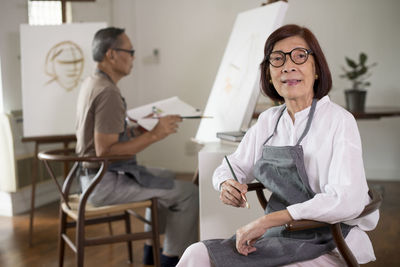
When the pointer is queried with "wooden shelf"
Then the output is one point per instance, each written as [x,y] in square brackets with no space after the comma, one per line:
[377,113]
[370,113]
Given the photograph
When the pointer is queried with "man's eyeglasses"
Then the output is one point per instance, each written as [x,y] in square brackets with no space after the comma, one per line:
[132,52]
[298,55]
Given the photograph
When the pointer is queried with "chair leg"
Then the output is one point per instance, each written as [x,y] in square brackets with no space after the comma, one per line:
[61,243]
[155,230]
[110,228]
[80,239]
[342,246]
[128,231]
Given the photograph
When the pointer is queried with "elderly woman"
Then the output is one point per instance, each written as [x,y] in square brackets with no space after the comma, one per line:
[308,153]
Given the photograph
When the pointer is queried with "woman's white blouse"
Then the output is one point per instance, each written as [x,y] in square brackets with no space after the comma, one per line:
[333,162]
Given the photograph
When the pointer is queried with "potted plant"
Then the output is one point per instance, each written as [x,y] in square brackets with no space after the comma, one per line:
[357,73]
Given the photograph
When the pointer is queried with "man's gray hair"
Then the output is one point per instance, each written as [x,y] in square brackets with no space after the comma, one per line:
[103,40]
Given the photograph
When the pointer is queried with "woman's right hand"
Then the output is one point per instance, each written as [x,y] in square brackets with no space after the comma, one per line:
[231,193]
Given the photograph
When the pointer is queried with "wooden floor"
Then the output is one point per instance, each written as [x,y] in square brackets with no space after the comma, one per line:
[15,252]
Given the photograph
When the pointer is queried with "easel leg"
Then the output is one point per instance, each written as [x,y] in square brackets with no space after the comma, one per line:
[195,178]
[34,176]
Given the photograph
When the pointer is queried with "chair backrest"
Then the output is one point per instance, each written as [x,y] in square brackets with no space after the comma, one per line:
[69,155]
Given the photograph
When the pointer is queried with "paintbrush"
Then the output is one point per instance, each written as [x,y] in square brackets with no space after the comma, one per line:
[196,117]
[236,179]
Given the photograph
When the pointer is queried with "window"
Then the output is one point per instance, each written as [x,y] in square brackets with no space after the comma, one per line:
[44,12]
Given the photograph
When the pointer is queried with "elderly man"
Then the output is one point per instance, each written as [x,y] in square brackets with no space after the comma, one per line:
[102,130]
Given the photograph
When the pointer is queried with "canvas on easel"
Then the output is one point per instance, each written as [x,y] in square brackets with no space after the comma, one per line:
[236,88]
[54,61]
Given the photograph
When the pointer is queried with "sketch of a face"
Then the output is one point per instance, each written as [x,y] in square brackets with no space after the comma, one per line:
[64,64]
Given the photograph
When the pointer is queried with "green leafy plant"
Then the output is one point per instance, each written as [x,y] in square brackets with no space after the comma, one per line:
[358,71]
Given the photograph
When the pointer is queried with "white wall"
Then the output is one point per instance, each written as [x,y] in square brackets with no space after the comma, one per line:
[1,91]
[12,14]
[191,37]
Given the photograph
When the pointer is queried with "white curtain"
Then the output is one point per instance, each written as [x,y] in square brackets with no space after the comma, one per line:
[7,162]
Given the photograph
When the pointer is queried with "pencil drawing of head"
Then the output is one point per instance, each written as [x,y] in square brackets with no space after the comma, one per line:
[64,64]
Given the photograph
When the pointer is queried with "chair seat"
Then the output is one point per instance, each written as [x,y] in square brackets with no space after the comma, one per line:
[93,211]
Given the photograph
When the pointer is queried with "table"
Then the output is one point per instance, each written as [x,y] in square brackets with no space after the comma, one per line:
[38,140]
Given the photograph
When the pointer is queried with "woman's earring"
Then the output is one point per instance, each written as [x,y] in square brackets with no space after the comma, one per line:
[316,76]
[270,81]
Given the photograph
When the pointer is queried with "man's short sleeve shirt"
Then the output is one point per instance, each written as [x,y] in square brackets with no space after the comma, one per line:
[101,109]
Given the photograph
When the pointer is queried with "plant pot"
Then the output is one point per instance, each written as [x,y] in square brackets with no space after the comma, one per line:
[355,100]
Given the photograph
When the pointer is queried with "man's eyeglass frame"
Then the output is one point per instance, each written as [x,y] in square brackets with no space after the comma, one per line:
[132,52]
[307,52]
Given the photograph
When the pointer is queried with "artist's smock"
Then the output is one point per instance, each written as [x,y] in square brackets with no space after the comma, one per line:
[333,163]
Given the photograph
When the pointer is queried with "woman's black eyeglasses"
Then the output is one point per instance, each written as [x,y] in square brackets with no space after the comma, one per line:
[298,55]
[132,52]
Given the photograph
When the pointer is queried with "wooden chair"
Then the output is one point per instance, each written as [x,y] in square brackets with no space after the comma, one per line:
[298,225]
[82,214]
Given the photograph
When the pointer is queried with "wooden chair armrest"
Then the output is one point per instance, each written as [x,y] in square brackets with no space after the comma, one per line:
[69,155]
[298,225]
[304,224]
[376,201]
[255,186]
[258,187]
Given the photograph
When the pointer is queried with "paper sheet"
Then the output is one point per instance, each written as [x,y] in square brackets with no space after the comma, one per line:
[146,116]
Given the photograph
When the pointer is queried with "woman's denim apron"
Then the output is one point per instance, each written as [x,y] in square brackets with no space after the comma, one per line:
[282,171]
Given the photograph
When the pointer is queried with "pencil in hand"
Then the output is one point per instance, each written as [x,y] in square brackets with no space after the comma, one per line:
[236,179]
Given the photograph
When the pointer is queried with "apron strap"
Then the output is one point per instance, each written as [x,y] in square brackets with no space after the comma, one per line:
[310,118]
[276,125]
[308,125]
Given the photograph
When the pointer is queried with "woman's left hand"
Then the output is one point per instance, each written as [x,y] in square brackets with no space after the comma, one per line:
[247,235]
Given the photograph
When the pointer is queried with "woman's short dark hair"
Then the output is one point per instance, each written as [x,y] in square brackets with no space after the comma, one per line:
[103,40]
[322,85]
